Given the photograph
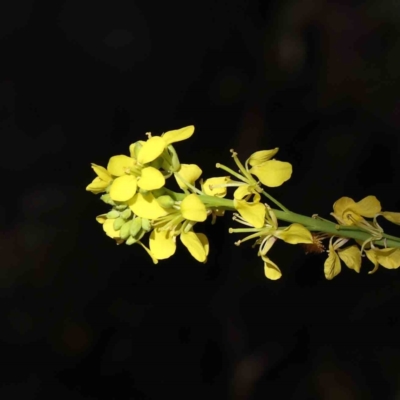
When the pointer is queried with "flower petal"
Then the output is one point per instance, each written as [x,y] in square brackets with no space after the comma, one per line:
[294,234]
[178,135]
[190,173]
[146,206]
[151,179]
[242,191]
[123,188]
[332,265]
[388,258]
[253,213]
[195,246]
[272,173]
[367,207]
[109,229]
[271,270]
[393,217]
[351,256]
[162,244]
[210,186]
[151,149]
[193,209]
[262,156]
[101,172]
[118,165]
[97,186]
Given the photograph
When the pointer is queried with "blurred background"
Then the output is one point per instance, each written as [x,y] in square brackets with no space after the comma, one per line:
[79,81]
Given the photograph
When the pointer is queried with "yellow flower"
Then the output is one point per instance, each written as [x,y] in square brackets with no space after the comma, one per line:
[347,212]
[155,145]
[253,213]
[388,258]
[270,172]
[215,186]
[102,180]
[267,235]
[351,256]
[163,244]
[189,173]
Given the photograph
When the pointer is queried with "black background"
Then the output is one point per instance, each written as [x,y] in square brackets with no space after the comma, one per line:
[82,318]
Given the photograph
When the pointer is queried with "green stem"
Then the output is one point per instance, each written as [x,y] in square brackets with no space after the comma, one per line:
[280,205]
[312,224]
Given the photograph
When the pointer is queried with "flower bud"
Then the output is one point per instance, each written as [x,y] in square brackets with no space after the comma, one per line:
[113,214]
[131,240]
[136,226]
[107,199]
[126,214]
[118,223]
[146,225]
[125,228]
[165,201]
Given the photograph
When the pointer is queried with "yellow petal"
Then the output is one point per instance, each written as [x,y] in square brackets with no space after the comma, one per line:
[262,156]
[388,258]
[109,229]
[102,173]
[242,191]
[195,246]
[367,207]
[134,148]
[146,206]
[118,165]
[271,270]
[272,173]
[97,186]
[151,149]
[351,256]
[190,173]
[193,209]
[210,186]
[178,135]
[204,241]
[101,218]
[123,188]
[332,265]
[294,234]
[162,244]
[374,259]
[393,217]
[253,213]
[151,179]
[155,261]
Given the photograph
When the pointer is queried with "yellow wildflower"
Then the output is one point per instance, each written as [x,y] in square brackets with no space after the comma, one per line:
[389,258]
[155,145]
[267,235]
[347,212]
[351,256]
[102,180]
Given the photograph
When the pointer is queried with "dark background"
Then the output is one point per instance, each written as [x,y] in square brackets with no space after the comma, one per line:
[80,80]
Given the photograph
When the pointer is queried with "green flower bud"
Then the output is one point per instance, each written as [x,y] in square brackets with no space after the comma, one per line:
[138,146]
[176,165]
[121,207]
[126,214]
[146,225]
[118,223]
[136,226]
[125,228]
[157,163]
[112,214]
[131,240]
[158,192]
[165,201]
[107,199]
